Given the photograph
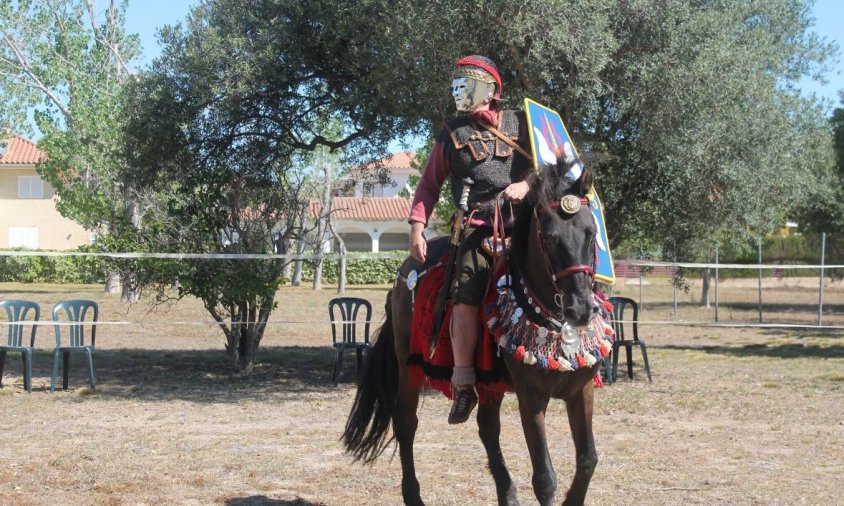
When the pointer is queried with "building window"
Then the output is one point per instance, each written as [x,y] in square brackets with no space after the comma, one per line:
[23,237]
[30,187]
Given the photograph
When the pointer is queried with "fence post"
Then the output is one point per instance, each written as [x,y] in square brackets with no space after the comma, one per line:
[759,242]
[674,287]
[641,283]
[820,287]
[716,283]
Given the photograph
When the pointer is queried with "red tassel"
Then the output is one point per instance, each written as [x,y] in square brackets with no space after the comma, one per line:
[519,354]
[608,306]
[598,381]
[553,365]
[605,352]
[608,330]
[581,362]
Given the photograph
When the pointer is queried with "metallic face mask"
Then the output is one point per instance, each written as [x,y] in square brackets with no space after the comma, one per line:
[469,93]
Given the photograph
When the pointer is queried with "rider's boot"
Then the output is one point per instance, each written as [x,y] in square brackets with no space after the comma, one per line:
[465,398]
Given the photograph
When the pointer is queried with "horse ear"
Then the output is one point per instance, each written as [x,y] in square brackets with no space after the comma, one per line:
[586,180]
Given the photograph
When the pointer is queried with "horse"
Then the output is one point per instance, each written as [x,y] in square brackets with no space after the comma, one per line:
[553,251]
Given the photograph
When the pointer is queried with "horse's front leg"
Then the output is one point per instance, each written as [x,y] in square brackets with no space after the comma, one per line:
[532,407]
[579,407]
[489,428]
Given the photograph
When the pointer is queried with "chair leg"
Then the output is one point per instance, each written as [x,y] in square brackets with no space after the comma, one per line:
[27,370]
[608,370]
[2,365]
[615,350]
[65,369]
[90,357]
[360,361]
[645,359]
[56,355]
[629,351]
[338,364]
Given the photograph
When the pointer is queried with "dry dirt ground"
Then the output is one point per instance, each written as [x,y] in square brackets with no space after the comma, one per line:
[734,416]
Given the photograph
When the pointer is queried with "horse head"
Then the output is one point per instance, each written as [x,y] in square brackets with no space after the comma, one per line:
[554,243]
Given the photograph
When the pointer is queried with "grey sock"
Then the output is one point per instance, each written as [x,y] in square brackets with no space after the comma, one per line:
[463,376]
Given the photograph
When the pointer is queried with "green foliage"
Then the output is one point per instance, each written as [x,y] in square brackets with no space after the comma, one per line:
[53,269]
[367,271]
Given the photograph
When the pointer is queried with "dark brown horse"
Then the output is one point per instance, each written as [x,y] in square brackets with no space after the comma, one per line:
[552,250]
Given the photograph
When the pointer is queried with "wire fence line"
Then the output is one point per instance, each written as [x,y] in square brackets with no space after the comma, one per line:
[644,267]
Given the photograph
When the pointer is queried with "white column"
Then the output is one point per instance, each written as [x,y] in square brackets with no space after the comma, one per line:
[375,235]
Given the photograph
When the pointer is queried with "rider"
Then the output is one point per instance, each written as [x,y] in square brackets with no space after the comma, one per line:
[488,145]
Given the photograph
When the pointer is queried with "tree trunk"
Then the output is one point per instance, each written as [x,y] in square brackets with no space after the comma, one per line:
[341,245]
[112,283]
[301,243]
[247,325]
[704,296]
[324,220]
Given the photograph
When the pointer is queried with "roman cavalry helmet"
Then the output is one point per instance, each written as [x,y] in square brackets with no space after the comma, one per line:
[475,81]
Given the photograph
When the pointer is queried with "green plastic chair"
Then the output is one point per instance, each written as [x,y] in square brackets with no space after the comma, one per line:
[347,338]
[74,314]
[19,311]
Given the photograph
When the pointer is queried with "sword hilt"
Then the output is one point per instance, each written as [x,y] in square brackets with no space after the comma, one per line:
[464,198]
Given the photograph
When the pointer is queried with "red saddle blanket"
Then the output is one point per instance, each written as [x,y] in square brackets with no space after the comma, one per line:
[435,372]
[507,330]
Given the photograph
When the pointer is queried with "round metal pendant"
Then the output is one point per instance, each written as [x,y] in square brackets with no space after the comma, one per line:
[412,279]
[570,204]
[542,332]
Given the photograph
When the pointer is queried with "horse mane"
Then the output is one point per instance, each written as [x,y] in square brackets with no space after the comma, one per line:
[547,187]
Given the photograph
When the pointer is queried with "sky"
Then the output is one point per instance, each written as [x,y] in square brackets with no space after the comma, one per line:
[144,17]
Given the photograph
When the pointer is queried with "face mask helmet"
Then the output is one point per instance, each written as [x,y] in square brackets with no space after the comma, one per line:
[475,82]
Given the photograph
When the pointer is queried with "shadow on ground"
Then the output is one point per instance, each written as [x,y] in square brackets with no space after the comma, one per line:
[197,375]
[788,351]
[260,500]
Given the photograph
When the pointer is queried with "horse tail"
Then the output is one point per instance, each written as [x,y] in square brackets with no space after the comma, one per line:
[365,436]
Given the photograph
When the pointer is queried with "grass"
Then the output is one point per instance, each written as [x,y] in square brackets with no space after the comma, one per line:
[734,416]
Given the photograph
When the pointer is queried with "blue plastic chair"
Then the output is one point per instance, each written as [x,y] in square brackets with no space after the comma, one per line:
[19,311]
[74,313]
[349,308]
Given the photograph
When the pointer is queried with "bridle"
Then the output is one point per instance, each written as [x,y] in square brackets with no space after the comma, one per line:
[568,271]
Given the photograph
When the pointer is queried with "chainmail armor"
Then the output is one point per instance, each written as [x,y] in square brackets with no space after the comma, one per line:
[491,163]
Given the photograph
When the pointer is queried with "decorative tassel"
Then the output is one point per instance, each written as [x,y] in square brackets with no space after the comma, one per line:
[553,365]
[609,331]
[608,306]
[543,362]
[519,354]
[580,360]
[598,381]
[605,350]
[590,360]
[564,364]
[530,358]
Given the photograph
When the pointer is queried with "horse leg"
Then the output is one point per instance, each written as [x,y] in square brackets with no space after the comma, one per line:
[405,423]
[579,407]
[489,428]
[532,407]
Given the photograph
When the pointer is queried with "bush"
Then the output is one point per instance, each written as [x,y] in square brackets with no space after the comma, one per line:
[49,269]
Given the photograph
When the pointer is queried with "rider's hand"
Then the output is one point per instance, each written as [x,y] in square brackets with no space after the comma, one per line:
[418,244]
[516,192]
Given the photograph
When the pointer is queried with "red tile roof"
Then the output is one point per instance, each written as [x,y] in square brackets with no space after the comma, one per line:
[400,160]
[366,208]
[20,151]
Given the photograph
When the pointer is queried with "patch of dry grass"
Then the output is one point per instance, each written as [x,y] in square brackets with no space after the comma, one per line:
[734,416]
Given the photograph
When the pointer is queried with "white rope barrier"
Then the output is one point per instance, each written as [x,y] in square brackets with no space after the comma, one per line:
[209,256]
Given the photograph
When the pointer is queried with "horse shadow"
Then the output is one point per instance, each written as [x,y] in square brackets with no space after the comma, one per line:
[261,500]
[289,372]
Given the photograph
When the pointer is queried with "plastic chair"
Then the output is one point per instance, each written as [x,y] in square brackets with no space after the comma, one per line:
[76,313]
[349,308]
[620,305]
[18,311]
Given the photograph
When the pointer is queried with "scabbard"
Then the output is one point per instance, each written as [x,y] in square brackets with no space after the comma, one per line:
[442,299]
